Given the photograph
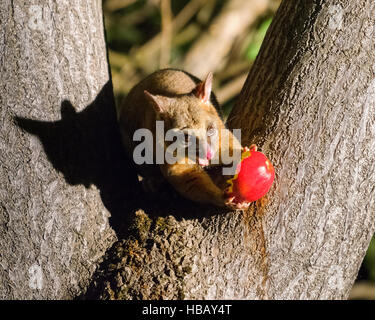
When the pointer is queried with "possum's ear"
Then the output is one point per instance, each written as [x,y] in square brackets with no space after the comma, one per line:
[203,89]
[160,104]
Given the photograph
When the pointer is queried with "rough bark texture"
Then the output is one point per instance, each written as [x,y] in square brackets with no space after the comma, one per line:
[309,104]
[57,137]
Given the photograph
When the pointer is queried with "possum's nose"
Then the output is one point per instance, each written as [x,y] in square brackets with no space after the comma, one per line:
[209,152]
[207,157]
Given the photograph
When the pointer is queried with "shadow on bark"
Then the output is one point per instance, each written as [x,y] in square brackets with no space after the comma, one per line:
[86,148]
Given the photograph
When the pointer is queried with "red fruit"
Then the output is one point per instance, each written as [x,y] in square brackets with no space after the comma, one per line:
[254,179]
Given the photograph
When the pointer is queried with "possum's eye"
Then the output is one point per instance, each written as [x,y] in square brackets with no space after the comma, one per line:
[211,131]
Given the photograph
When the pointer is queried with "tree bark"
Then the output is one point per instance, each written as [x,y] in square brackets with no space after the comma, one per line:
[57,142]
[308,103]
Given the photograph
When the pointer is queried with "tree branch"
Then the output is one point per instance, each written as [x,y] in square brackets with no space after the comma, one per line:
[308,103]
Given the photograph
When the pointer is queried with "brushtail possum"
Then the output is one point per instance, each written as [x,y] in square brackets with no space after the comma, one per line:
[185,103]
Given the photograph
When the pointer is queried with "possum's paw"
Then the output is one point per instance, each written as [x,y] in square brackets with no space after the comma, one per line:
[231,203]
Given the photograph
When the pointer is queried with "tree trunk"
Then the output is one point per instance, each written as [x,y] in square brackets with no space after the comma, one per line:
[57,137]
[309,105]
[309,102]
